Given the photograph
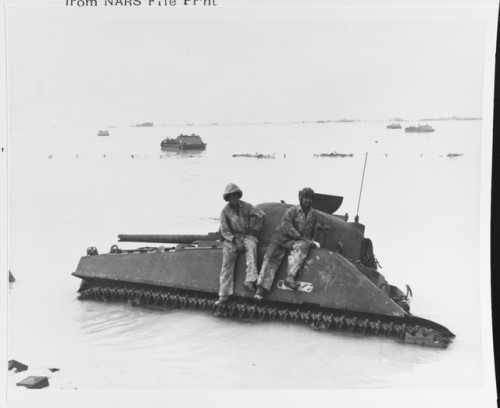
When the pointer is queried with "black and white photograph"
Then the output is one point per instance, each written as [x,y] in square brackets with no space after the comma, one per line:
[247,203]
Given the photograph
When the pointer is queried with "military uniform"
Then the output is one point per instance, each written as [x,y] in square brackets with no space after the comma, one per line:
[294,233]
[243,224]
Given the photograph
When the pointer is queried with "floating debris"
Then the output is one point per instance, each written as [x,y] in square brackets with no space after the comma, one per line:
[419,129]
[394,126]
[16,365]
[34,382]
[256,155]
[334,154]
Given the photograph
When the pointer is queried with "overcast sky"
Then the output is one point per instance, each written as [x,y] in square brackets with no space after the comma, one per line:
[73,67]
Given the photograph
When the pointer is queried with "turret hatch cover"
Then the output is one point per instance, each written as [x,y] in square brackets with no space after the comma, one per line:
[327,203]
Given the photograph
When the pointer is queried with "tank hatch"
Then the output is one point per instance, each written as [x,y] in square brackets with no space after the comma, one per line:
[327,203]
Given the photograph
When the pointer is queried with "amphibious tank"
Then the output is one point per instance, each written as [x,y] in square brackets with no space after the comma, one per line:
[340,289]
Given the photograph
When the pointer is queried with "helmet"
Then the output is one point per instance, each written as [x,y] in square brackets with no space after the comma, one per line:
[306,191]
[230,189]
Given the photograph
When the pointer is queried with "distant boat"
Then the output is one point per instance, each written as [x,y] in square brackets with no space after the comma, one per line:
[394,126]
[145,124]
[183,142]
[103,133]
[419,129]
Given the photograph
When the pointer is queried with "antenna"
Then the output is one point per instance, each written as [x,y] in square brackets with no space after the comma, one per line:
[356,218]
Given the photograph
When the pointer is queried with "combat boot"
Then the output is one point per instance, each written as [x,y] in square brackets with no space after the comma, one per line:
[290,282]
[259,295]
[221,300]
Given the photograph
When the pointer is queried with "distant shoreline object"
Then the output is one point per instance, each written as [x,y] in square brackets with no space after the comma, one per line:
[103,133]
[256,155]
[450,118]
[394,126]
[419,129]
[183,142]
[436,119]
[334,154]
[312,121]
[338,121]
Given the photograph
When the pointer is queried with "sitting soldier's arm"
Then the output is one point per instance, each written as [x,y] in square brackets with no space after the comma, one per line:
[314,233]
[287,227]
[314,229]
[256,222]
[225,229]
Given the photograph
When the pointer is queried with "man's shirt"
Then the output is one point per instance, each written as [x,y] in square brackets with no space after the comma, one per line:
[294,225]
[248,220]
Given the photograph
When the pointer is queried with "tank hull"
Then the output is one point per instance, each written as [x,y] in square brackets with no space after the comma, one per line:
[332,289]
[333,281]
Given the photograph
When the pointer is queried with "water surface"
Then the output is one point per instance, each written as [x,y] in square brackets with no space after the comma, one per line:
[70,189]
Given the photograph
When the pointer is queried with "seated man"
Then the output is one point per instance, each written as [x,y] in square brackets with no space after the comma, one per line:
[295,232]
[239,223]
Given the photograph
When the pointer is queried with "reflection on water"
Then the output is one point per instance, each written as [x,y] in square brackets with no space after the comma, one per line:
[126,184]
[182,154]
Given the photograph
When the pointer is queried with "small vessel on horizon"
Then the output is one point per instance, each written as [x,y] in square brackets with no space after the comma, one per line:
[394,126]
[183,142]
[102,133]
[419,129]
[145,124]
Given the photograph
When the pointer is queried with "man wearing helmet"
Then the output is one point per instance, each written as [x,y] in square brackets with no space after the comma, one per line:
[239,223]
[295,233]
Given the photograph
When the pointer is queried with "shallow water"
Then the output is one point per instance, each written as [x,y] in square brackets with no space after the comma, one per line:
[69,189]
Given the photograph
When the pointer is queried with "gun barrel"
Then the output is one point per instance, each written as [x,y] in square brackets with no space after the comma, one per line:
[167,239]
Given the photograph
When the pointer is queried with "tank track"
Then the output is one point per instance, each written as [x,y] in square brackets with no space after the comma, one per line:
[346,321]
